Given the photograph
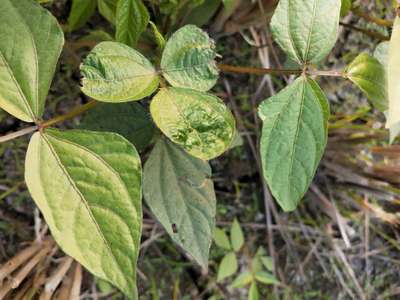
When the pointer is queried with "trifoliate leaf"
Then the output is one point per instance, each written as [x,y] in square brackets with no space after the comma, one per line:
[188,59]
[179,191]
[237,237]
[130,120]
[369,75]
[81,11]
[293,139]
[114,72]
[131,21]
[306,30]
[221,239]
[227,267]
[30,44]
[88,188]
[199,122]
[393,122]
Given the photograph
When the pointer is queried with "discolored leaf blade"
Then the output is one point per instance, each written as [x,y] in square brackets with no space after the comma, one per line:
[306,29]
[88,188]
[369,75]
[114,72]
[131,21]
[30,44]
[178,189]
[199,122]
[293,139]
[393,122]
[188,59]
[130,120]
[81,11]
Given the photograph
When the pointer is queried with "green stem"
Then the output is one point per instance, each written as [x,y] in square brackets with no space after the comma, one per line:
[378,21]
[372,34]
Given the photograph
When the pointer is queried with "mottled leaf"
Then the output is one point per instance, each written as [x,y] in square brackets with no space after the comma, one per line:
[369,75]
[130,120]
[188,59]
[306,29]
[80,13]
[293,139]
[221,239]
[88,188]
[200,122]
[393,122]
[237,237]
[30,44]
[131,21]
[227,267]
[114,72]
[179,191]
[242,280]
[108,9]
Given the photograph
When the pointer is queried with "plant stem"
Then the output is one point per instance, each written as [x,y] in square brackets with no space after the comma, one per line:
[18,133]
[257,71]
[76,112]
[378,21]
[372,34]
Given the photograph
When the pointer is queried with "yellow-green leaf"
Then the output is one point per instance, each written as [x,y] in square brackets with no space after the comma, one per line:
[199,122]
[227,267]
[114,72]
[237,237]
[88,188]
[221,239]
[30,44]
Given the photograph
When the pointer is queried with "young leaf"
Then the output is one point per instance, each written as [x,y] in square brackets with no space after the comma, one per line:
[88,188]
[237,237]
[227,267]
[346,7]
[369,75]
[306,30]
[200,122]
[108,9]
[131,21]
[81,11]
[114,72]
[188,59]
[221,239]
[266,278]
[130,120]
[30,44]
[242,280]
[267,262]
[253,292]
[393,122]
[178,189]
[293,139]
[158,36]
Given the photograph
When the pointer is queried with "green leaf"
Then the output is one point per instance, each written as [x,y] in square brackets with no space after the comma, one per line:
[178,189]
[381,53]
[346,7]
[158,36]
[237,237]
[130,120]
[267,262]
[30,44]
[88,188]
[293,139]
[253,292]
[114,72]
[108,9]
[81,11]
[242,280]
[369,75]
[131,22]
[227,267]
[221,239]
[200,122]
[203,13]
[188,59]
[393,122]
[306,30]
[266,278]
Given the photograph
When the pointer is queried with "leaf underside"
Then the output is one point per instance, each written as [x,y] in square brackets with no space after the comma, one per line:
[293,139]
[178,189]
[30,44]
[88,188]
[199,122]
[306,29]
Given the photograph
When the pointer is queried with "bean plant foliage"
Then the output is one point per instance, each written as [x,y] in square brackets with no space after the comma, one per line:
[88,182]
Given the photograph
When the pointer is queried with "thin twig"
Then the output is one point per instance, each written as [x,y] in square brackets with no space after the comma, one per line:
[17,134]
[372,34]
[378,21]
